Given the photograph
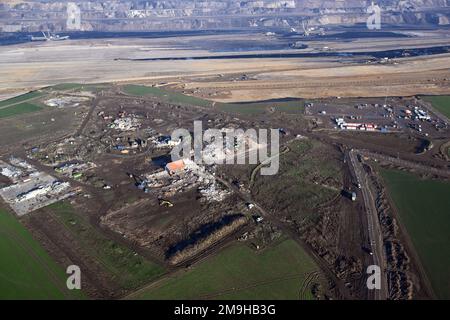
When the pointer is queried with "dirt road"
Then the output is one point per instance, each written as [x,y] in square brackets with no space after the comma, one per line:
[405,163]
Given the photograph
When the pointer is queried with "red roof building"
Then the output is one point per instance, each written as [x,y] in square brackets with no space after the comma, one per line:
[176,166]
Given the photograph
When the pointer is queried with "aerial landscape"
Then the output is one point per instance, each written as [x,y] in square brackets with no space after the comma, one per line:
[224,150]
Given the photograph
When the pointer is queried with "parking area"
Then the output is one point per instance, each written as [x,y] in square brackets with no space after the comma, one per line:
[386,115]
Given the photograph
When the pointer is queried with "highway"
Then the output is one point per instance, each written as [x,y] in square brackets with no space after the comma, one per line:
[373,224]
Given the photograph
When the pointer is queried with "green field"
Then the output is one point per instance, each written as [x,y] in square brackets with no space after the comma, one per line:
[65,86]
[309,175]
[128,269]
[21,98]
[18,109]
[169,96]
[75,87]
[289,107]
[441,103]
[26,270]
[20,105]
[14,130]
[424,208]
[239,272]
[26,103]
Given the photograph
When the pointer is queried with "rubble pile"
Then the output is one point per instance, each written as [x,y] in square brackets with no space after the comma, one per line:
[10,171]
[31,189]
[211,192]
[126,124]
[167,184]
[66,101]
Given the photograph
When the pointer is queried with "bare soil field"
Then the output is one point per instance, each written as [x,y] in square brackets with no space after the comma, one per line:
[35,65]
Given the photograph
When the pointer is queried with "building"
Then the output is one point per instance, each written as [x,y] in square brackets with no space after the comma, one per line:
[176,166]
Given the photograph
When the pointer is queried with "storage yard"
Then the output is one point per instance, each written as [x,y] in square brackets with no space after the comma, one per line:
[389,115]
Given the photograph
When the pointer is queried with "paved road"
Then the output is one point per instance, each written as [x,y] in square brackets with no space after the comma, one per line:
[375,235]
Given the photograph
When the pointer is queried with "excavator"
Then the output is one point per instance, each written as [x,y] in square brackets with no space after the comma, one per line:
[140,183]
